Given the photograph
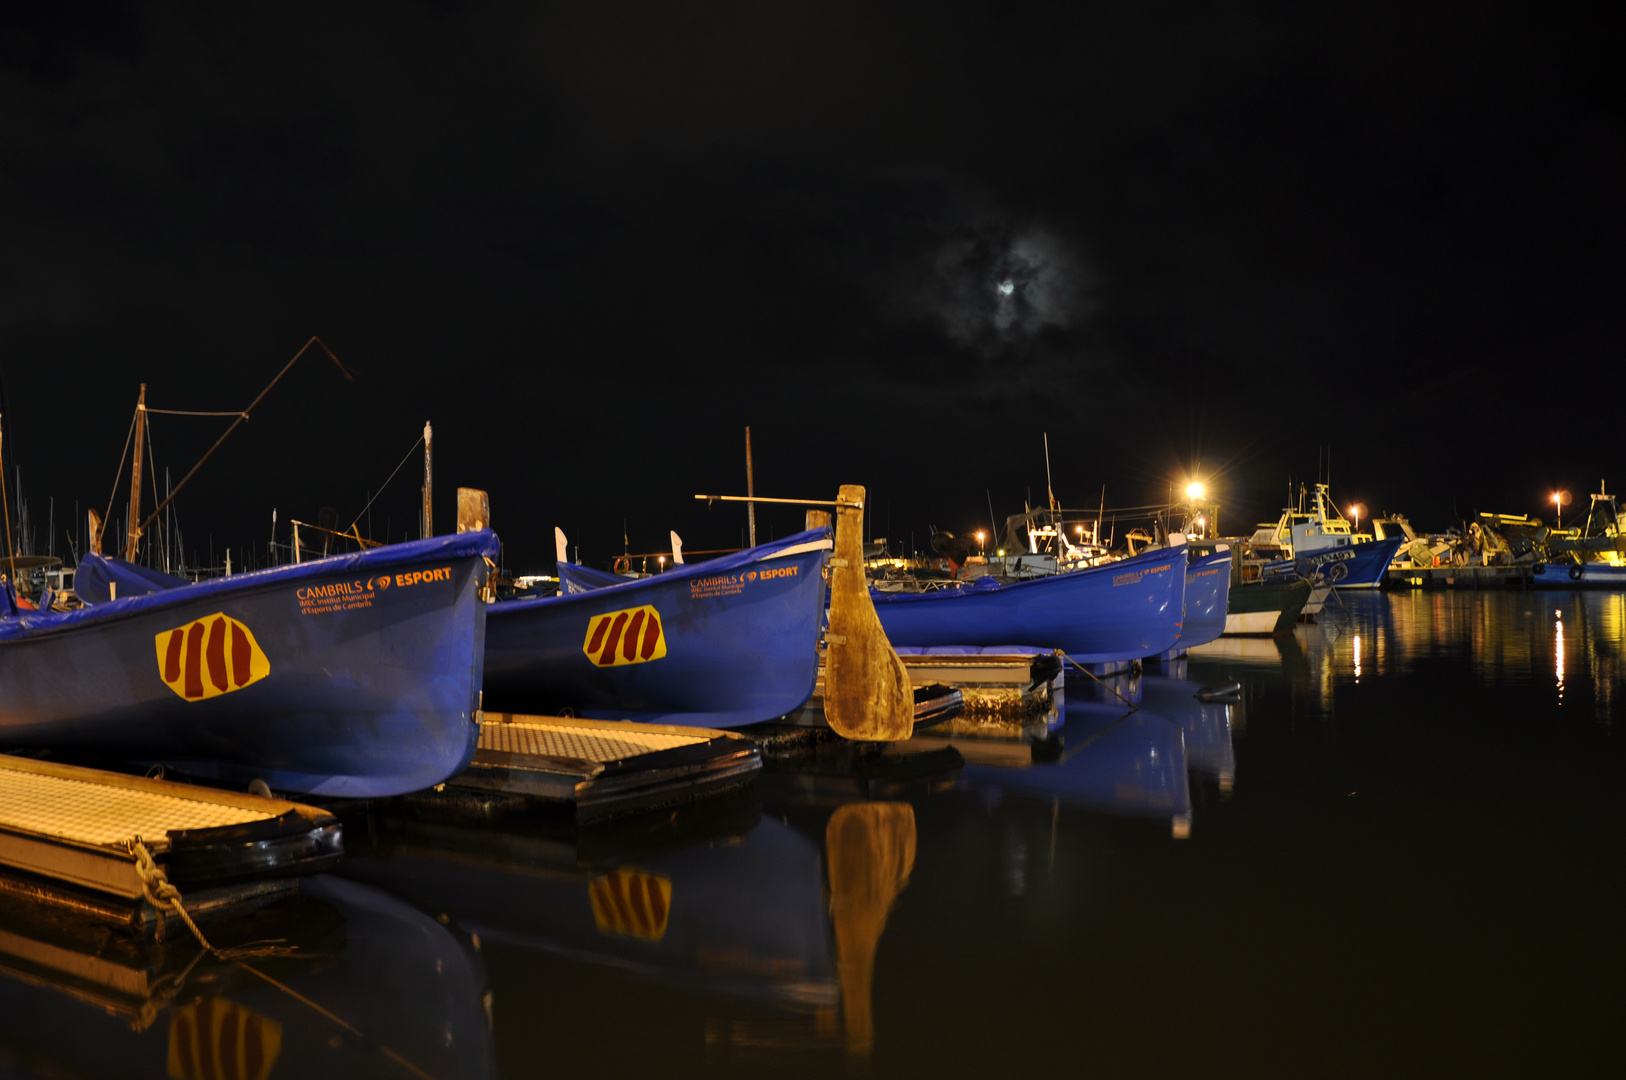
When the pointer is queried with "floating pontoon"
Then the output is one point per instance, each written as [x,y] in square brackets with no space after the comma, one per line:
[605,767]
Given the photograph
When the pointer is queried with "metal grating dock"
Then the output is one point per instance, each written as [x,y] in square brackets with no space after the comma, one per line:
[93,813]
[581,743]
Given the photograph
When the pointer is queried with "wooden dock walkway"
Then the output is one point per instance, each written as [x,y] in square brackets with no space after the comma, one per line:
[1461,577]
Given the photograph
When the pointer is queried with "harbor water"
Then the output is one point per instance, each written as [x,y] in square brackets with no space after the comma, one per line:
[1396,849]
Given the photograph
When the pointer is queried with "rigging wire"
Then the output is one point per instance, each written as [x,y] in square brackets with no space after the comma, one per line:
[119,474]
[380,491]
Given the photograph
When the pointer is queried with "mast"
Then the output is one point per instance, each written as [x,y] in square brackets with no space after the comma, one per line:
[750,489]
[11,556]
[428,479]
[135,477]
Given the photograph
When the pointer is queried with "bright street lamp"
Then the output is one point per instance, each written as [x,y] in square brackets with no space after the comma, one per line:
[1196,490]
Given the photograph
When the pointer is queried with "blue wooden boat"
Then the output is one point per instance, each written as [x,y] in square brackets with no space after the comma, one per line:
[1355,566]
[356,675]
[1118,611]
[1208,589]
[715,644]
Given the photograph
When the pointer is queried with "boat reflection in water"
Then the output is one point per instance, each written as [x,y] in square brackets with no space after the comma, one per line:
[1125,747]
[359,984]
[1207,725]
[742,913]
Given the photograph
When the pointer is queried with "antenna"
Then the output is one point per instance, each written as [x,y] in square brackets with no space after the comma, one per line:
[1048,489]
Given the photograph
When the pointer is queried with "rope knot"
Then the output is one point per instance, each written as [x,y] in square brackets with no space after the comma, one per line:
[159,891]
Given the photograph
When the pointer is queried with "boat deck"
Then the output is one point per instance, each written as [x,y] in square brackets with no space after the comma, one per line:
[603,767]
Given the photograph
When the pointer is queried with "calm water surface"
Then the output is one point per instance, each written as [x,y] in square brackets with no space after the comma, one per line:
[1400,851]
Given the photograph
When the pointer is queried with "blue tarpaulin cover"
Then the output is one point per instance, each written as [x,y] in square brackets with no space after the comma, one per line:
[574,578]
[97,572]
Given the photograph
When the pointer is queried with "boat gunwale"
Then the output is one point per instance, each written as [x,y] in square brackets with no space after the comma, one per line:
[1069,576]
[37,625]
[683,572]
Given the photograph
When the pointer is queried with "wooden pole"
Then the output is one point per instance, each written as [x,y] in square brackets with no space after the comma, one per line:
[428,480]
[750,489]
[11,556]
[135,477]
[241,418]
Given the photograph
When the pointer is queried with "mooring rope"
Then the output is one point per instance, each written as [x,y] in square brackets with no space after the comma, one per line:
[162,895]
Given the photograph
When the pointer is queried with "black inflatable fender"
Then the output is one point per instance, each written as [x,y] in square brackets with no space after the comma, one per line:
[1576,572]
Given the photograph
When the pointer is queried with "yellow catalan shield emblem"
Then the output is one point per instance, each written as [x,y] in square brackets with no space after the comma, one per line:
[210,656]
[216,1038]
[632,636]
[629,903]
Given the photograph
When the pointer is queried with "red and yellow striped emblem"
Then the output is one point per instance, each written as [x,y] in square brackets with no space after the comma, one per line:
[210,656]
[632,636]
[628,903]
[216,1038]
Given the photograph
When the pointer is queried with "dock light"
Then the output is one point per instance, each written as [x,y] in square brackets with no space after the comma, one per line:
[1561,499]
[662,559]
[1001,553]
[979,539]
[1079,529]
[1196,490]
[1355,512]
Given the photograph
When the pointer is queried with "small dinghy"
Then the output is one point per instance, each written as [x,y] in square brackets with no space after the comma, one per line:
[356,675]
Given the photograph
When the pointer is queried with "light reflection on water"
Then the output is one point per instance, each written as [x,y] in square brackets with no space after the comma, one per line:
[1507,638]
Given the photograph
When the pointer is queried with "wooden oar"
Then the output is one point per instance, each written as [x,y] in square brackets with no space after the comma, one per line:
[867,694]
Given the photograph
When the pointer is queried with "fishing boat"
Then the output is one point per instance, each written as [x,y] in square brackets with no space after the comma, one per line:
[1319,542]
[1592,556]
[355,675]
[730,641]
[1119,611]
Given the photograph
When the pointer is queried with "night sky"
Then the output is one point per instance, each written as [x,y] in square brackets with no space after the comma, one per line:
[591,243]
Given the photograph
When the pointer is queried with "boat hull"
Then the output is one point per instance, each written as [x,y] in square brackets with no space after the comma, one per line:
[737,642]
[1593,575]
[1208,588]
[1120,611]
[353,676]
[1267,607]
[1354,566]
